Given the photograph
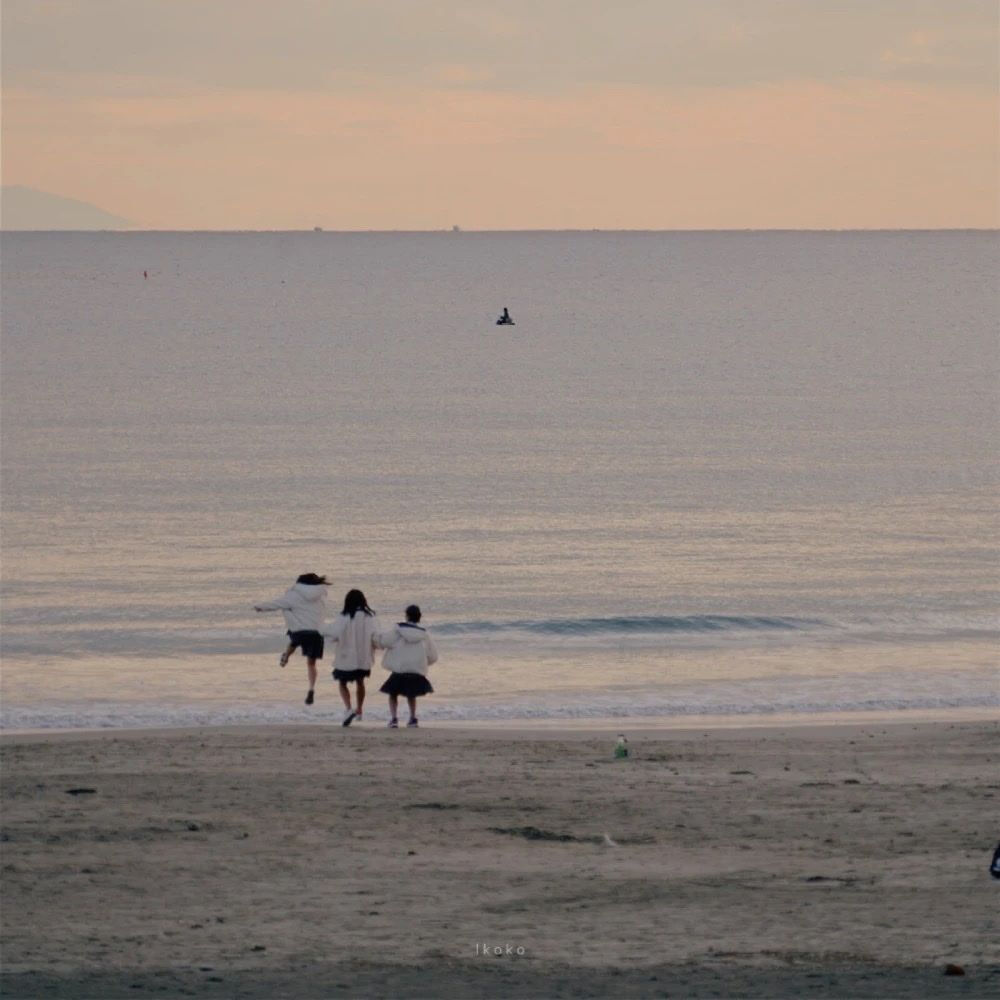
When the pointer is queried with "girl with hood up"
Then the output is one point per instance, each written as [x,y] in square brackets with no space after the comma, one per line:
[304,608]
[355,633]
[409,651]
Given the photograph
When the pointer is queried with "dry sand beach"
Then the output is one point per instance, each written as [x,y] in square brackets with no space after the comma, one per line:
[838,861]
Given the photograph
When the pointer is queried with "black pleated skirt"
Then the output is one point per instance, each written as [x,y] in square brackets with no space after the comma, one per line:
[407,685]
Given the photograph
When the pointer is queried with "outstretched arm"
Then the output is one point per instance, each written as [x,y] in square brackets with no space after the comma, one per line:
[333,631]
[279,605]
[386,639]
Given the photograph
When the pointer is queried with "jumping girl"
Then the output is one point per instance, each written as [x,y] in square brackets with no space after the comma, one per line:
[304,608]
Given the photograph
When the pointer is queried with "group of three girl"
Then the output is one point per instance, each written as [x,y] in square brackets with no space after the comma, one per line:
[409,649]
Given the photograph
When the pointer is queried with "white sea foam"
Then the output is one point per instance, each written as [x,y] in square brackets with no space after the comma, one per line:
[801,696]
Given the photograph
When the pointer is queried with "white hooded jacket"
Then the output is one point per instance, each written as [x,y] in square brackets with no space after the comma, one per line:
[409,649]
[303,605]
[355,639]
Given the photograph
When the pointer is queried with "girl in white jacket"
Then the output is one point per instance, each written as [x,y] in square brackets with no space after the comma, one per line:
[355,634]
[409,651]
[304,608]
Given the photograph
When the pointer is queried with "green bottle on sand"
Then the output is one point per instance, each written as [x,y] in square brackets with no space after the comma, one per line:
[621,747]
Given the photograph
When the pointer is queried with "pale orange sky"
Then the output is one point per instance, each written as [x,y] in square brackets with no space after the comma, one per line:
[415,114]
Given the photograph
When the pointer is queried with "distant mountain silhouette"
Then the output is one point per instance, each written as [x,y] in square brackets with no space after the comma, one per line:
[26,208]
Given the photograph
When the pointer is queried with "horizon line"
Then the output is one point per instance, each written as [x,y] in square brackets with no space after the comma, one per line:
[320,230]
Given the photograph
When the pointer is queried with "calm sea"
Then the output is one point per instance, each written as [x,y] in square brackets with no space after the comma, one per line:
[728,473]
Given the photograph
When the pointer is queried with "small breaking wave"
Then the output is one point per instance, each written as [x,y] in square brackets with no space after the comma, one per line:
[634,625]
[172,639]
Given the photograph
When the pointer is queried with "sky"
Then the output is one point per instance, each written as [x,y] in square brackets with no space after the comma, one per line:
[516,114]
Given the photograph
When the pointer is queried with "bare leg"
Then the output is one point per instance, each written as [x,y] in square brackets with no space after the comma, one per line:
[412,704]
[361,693]
[285,655]
[311,693]
[345,695]
[393,705]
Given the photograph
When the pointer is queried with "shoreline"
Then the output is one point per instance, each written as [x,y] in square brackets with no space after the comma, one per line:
[648,727]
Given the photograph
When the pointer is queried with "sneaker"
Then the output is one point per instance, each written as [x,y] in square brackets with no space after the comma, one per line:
[310,698]
[394,724]
[412,724]
[358,717]
[349,717]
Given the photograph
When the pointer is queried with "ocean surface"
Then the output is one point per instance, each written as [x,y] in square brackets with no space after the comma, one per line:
[706,473]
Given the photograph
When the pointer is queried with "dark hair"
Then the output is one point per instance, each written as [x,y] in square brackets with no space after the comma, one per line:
[413,613]
[354,601]
[313,579]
